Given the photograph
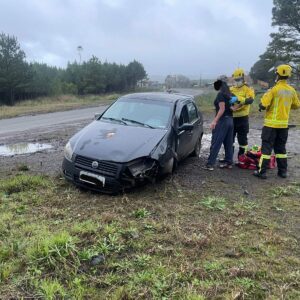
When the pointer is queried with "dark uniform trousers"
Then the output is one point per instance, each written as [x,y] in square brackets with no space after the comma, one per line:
[241,130]
[273,138]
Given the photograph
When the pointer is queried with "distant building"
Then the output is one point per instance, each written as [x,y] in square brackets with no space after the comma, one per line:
[177,81]
[263,84]
[146,83]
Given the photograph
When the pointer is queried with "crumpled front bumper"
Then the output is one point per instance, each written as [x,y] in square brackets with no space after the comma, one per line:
[126,176]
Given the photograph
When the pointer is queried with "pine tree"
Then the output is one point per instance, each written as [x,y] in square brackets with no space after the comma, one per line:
[15,73]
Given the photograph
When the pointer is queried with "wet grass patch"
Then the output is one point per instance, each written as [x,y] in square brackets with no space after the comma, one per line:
[159,242]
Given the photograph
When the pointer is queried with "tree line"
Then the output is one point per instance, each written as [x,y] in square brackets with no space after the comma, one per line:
[21,80]
[285,43]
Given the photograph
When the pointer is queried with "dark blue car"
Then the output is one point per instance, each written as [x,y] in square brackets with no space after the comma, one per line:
[139,137]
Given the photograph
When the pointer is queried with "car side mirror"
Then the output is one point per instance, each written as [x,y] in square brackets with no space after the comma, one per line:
[97,115]
[186,127]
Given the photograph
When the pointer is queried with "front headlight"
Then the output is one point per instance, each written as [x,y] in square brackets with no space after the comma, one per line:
[68,151]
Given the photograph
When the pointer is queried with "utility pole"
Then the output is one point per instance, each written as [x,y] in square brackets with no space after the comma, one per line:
[79,50]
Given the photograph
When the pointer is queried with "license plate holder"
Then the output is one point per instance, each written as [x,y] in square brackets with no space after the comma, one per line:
[92,178]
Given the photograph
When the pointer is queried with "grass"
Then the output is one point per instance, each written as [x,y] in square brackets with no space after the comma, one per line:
[214,203]
[205,102]
[53,104]
[164,243]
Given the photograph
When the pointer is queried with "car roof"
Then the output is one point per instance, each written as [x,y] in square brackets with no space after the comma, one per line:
[158,96]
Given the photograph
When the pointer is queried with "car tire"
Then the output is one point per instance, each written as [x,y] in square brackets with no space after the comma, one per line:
[172,164]
[197,149]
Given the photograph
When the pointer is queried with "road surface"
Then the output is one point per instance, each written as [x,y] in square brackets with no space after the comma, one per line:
[44,122]
[26,123]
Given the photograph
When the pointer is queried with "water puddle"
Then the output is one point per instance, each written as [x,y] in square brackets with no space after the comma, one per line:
[206,140]
[23,148]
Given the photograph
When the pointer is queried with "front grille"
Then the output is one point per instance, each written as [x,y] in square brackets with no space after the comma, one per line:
[104,167]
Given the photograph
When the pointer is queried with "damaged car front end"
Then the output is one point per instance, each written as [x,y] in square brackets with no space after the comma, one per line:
[111,177]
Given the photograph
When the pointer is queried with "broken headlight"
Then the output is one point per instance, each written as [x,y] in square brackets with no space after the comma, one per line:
[140,166]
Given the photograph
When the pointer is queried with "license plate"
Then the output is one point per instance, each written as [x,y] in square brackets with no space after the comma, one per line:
[92,178]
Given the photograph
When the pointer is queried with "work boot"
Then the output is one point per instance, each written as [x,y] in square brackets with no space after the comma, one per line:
[241,151]
[282,174]
[208,167]
[260,175]
[225,165]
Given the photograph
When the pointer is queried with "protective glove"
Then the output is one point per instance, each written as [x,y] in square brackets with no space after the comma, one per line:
[233,100]
[261,107]
[249,101]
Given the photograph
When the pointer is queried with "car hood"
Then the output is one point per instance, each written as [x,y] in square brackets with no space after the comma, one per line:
[114,142]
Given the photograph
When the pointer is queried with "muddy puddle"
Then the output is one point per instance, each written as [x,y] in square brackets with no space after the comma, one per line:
[206,141]
[23,148]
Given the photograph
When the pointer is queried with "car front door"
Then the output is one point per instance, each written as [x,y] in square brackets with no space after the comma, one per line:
[184,138]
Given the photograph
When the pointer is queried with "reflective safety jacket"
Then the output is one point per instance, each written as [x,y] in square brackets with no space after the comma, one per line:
[242,93]
[278,102]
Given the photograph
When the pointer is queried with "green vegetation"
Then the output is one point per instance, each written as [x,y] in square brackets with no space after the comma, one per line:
[214,203]
[205,102]
[57,242]
[21,80]
[284,45]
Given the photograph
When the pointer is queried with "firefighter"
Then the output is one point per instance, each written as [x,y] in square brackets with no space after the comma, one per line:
[245,95]
[277,102]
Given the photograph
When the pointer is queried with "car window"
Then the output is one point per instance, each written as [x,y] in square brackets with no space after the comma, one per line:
[184,117]
[153,113]
[192,112]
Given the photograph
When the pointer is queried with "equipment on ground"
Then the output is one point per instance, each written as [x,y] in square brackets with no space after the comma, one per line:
[250,159]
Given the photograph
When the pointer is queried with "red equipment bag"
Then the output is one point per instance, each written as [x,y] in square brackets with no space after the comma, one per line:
[250,160]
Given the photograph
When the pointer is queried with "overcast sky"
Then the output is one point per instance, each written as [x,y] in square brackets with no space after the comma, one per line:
[191,37]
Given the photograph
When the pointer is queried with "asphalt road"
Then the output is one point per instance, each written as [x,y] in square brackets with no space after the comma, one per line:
[26,123]
[8,127]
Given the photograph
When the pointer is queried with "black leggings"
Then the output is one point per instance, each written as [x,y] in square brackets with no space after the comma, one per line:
[222,134]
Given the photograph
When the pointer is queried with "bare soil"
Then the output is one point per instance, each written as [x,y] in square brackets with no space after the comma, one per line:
[49,162]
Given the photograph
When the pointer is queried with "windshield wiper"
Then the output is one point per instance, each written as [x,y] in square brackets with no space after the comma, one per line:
[114,119]
[137,122]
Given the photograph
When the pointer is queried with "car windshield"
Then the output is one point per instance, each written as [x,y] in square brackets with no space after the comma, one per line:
[137,112]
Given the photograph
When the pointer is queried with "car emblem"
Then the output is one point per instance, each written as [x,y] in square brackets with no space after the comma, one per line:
[110,135]
[95,164]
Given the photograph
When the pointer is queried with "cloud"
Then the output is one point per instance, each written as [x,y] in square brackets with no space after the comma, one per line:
[167,36]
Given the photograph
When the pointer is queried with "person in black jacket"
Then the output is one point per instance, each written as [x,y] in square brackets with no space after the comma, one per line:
[222,127]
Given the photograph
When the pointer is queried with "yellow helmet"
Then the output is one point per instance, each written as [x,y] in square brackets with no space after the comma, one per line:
[238,73]
[284,70]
